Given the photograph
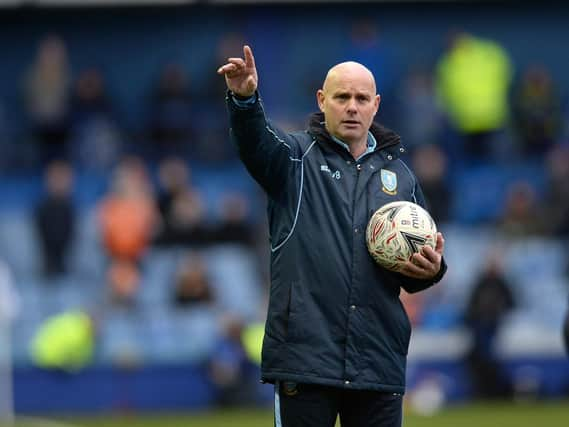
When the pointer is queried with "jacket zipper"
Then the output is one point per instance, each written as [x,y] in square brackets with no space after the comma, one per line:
[354,231]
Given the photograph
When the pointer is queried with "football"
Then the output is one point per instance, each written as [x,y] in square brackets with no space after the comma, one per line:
[396,231]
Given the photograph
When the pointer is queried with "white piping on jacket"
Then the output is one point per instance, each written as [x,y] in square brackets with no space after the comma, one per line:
[414,181]
[278,422]
[276,248]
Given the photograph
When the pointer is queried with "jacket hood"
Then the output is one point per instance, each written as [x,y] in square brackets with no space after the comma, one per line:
[385,137]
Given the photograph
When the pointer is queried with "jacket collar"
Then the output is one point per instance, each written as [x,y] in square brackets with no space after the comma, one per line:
[370,144]
[388,142]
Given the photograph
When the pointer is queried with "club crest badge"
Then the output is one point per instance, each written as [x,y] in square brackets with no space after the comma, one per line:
[388,182]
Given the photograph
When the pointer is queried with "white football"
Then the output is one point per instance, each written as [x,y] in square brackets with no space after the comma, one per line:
[396,231]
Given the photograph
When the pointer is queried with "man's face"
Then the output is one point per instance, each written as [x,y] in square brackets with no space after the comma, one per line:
[349,102]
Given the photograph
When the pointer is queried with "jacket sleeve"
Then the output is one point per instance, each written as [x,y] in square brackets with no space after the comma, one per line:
[268,153]
[410,284]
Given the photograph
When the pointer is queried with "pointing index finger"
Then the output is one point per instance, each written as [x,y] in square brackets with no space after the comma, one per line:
[249,59]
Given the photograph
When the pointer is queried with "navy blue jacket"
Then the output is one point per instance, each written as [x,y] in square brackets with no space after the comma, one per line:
[334,315]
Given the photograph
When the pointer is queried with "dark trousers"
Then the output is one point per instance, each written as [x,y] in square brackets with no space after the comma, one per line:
[307,405]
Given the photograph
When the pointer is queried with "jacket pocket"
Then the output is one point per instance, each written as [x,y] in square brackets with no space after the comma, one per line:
[403,327]
[278,319]
[296,314]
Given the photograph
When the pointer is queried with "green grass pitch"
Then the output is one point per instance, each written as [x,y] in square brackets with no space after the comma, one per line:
[548,414]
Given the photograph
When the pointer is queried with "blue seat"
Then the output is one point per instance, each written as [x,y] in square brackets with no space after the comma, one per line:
[158,276]
[122,337]
[235,280]
[87,257]
[19,244]
[481,191]
[181,335]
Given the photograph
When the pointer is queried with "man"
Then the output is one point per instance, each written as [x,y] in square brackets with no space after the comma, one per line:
[55,218]
[337,335]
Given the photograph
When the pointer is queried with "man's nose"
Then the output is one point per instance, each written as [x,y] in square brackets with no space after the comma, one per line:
[352,107]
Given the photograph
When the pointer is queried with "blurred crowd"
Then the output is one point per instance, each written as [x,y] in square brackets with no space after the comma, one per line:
[470,109]
[488,142]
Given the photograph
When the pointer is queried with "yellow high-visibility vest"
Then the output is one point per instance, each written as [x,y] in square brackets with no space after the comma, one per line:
[473,80]
[64,341]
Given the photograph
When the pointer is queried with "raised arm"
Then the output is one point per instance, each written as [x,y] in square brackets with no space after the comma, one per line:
[266,152]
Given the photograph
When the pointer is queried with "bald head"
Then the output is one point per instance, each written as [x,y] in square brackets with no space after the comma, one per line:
[349,101]
[349,69]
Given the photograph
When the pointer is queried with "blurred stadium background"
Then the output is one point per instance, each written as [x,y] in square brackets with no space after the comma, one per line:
[133,253]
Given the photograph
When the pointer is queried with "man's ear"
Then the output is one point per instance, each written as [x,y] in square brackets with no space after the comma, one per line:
[320,98]
[378,101]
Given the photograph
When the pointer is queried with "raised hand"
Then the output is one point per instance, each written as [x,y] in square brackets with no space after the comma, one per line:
[241,74]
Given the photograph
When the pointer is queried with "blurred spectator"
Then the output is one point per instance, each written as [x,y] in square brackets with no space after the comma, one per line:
[96,140]
[10,151]
[556,203]
[128,215]
[128,220]
[234,226]
[521,216]
[55,218]
[181,206]
[430,165]
[65,342]
[186,213]
[172,122]
[229,365]
[192,282]
[473,79]
[490,301]
[537,111]
[421,116]
[174,180]
[90,98]
[47,85]
[123,277]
